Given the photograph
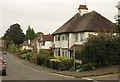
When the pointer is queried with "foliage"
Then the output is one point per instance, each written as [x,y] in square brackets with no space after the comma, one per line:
[86,67]
[44,59]
[12,48]
[118,25]
[66,64]
[14,34]
[102,49]
[30,34]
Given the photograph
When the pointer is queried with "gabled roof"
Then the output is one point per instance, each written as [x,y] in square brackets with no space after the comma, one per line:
[48,38]
[90,22]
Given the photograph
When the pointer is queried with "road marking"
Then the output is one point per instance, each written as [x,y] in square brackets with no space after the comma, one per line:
[62,75]
[90,79]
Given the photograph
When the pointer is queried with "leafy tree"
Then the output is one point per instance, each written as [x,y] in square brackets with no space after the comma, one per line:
[30,34]
[118,25]
[14,33]
[102,49]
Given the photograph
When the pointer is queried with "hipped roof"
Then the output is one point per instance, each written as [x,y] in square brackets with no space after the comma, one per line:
[90,22]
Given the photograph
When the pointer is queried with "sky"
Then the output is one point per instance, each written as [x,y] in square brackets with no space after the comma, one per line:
[48,15]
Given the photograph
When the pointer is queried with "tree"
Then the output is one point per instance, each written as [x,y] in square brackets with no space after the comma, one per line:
[101,49]
[118,25]
[30,34]
[15,33]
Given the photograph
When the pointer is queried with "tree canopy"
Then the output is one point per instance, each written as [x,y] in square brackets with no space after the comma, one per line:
[30,34]
[15,34]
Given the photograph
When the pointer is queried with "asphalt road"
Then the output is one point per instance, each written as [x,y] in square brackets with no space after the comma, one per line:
[18,71]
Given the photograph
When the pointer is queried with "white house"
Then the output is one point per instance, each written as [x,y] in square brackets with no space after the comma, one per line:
[46,42]
[26,46]
[75,31]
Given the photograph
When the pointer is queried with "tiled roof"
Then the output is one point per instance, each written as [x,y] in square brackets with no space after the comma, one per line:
[48,38]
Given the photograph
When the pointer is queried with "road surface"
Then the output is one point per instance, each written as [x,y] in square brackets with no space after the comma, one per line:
[18,71]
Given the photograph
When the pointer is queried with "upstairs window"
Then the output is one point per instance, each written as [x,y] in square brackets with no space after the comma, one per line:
[57,38]
[76,37]
[81,36]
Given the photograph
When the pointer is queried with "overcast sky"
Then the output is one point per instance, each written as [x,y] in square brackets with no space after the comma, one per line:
[48,15]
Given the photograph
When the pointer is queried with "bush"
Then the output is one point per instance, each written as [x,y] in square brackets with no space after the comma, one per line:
[86,67]
[66,64]
[23,56]
[43,59]
[12,48]
[29,55]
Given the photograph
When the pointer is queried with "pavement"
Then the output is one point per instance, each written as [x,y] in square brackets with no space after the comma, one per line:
[97,72]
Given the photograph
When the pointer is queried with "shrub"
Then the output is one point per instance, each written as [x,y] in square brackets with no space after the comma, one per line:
[43,59]
[86,67]
[66,64]
[12,48]
[23,56]
[29,55]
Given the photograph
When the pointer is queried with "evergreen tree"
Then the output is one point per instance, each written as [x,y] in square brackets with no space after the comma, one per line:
[30,34]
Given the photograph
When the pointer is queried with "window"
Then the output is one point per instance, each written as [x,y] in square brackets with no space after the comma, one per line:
[59,52]
[57,38]
[81,37]
[43,43]
[62,53]
[76,37]
[63,37]
[66,54]
[66,37]
[55,52]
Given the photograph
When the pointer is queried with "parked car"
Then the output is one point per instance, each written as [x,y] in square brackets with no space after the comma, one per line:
[4,52]
[2,67]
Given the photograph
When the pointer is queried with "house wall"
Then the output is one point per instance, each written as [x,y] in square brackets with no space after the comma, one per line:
[63,45]
[48,44]
[26,47]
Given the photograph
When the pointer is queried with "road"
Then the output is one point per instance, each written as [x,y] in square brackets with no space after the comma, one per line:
[18,71]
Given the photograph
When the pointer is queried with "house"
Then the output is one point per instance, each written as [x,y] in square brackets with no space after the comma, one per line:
[35,43]
[26,46]
[46,42]
[42,42]
[71,35]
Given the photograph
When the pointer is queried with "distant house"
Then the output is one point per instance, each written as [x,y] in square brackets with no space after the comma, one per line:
[71,35]
[46,42]
[42,42]
[35,43]
[26,46]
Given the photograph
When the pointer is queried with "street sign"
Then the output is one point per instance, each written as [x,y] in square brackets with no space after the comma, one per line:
[78,61]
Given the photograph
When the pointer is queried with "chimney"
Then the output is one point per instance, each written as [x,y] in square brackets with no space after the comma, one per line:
[83,9]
